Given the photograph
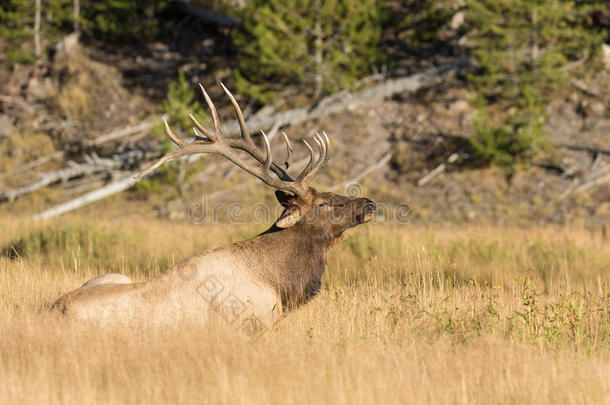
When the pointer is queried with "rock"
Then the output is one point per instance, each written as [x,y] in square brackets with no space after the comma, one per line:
[36,90]
[606,55]
[603,210]
[598,108]
[457,20]
[66,46]
[6,125]
[459,107]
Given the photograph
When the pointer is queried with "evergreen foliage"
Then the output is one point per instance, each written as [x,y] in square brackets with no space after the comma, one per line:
[16,26]
[121,20]
[322,46]
[180,102]
[524,49]
[112,20]
[425,19]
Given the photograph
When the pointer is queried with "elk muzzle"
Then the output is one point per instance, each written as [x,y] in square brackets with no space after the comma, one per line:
[365,209]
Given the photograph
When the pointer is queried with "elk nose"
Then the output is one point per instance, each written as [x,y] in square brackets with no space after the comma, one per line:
[370,205]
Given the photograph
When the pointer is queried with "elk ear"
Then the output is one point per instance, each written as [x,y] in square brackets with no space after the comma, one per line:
[284,198]
[290,217]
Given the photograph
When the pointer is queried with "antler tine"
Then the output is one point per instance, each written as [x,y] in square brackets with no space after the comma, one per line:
[218,146]
[307,168]
[240,117]
[313,168]
[327,156]
[212,108]
[262,170]
[171,135]
[170,156]
[183,149]
[289,151]
[201,128]
[267,152]
[323,153]
[246,143]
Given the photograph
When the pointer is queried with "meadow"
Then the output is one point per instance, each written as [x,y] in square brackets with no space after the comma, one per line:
[470,314]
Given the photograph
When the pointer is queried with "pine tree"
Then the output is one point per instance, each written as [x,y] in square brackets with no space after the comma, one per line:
[320,45]
[122,20]
[421,21]
[524,49]
[16,29]
[181,102]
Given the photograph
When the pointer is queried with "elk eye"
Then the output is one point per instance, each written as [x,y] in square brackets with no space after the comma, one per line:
[323,204]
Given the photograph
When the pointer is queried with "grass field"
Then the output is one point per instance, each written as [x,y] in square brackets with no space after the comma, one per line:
[407,314]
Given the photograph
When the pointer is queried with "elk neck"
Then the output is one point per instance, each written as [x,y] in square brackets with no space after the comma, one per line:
[290,260]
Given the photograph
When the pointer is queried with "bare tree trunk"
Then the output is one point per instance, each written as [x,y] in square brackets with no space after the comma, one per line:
[96,195]
[535,53]
[348,101]
[37,29]
[77,16]
[318,73]
[181,177]
[91,166]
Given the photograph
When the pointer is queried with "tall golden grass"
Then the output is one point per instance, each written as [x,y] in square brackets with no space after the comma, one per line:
[407,314]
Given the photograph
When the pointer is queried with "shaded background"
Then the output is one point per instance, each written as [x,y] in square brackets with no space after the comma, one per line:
[466,110]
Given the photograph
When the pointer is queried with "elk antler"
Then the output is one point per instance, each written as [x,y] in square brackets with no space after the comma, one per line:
[215,143]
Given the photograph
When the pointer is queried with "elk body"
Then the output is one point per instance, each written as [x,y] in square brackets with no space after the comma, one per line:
[261,277]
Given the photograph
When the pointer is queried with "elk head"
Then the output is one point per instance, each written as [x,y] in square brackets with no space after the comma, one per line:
[325,214]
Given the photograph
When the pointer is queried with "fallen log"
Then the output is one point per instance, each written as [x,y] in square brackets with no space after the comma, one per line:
[439,169]
[91,166]
[593,179]
[344,100]
[96,195]
[111,136]
[374,167]
[581,148]
[330,105]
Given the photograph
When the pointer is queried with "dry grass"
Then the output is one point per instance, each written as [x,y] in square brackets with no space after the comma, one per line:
[407,315]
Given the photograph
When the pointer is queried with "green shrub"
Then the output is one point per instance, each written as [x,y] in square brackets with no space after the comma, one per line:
[511,144]
[89,245]
[425,19]
[179,103]
[78,239]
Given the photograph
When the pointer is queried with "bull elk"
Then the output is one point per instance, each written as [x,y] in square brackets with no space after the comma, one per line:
[265,276]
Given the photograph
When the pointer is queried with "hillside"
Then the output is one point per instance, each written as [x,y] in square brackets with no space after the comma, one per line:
[53,113]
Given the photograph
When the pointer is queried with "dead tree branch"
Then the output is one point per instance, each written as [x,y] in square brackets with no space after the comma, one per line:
[91,166]
[593,179]
[96,195]
[344,100]
[111,136]
[330,105]
[374,167]
[581,148]
[440,168]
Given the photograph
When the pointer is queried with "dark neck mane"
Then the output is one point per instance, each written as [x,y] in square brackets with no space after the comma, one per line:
[291,260]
